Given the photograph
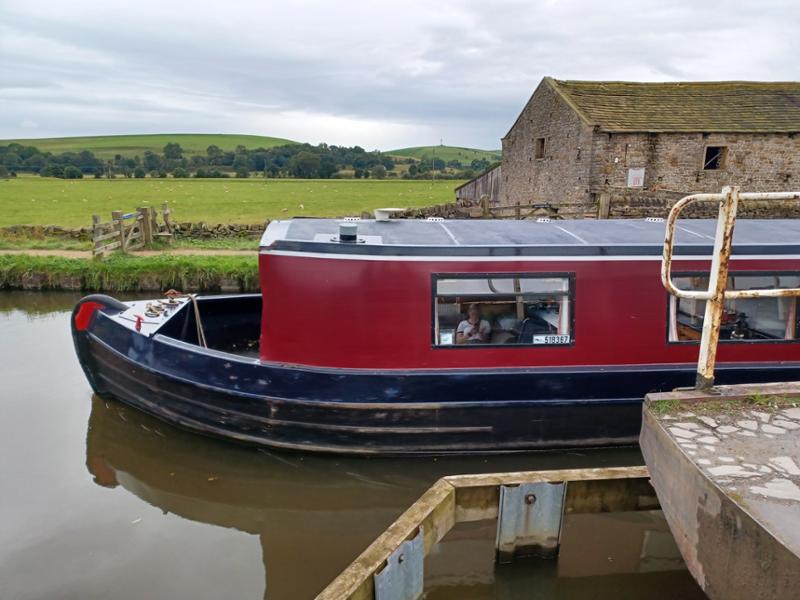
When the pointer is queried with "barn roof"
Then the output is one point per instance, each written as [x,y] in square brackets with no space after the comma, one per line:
[709,106]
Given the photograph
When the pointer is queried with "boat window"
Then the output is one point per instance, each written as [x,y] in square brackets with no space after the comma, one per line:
[472,310]
[744,319]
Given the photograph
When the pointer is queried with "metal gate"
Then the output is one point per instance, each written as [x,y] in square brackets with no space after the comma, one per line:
[716,294]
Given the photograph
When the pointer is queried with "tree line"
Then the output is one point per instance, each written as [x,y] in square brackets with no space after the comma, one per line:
[291,160]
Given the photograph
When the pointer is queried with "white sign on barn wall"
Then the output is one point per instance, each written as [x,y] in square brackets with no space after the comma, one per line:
[636,177]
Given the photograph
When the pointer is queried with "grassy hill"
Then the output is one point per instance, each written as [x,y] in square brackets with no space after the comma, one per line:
[447,153]
[106,146]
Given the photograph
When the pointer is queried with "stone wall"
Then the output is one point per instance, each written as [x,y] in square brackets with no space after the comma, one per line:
[445,211]
[561,176]
[53,231]
[203,230]
[674,161]
[200,230]
[626,203]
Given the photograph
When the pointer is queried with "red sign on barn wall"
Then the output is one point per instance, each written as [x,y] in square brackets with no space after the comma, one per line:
[636,177]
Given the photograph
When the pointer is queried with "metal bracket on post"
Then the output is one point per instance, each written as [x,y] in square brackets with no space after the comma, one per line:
[529,520]
[402,577]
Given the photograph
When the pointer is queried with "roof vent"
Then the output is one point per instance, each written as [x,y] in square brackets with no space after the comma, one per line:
[655,219]
[543,220]
[348,232]
[435,219]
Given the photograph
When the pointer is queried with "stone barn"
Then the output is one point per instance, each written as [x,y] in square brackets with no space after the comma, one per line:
[624,149]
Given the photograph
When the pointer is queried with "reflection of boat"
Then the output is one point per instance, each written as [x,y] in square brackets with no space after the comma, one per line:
[313,515]
[305,510]
[444,336]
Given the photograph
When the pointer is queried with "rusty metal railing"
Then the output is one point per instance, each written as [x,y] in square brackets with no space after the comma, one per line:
[716,294]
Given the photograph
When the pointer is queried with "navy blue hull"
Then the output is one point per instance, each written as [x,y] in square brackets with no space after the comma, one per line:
[380,412]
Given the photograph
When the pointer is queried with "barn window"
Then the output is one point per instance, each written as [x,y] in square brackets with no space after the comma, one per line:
[744,319]
[714,157]
[539,148]
[509,309]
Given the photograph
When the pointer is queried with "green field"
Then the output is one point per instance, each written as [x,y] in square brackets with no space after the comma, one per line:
[71,203]
[106,146]
[447,153]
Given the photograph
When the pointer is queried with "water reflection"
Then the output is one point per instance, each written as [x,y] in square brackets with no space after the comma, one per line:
[38,303]
[313,514]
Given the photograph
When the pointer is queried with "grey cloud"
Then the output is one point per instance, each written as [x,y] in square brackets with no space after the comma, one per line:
[415,72]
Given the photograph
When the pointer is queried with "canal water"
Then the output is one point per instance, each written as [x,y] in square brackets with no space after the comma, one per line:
[101,501]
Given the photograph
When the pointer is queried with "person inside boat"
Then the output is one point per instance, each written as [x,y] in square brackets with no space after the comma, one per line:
[473,329]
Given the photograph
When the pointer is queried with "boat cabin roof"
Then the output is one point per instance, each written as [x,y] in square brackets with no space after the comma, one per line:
[511,237]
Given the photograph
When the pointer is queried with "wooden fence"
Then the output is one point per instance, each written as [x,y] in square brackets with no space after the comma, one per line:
[516,211]
[128,231]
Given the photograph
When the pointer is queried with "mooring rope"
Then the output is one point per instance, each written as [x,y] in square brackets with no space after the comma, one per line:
[201,336]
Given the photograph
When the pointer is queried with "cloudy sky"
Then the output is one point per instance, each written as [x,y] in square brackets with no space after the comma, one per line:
[374,73]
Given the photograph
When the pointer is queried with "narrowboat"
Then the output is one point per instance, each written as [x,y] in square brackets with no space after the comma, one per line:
[393,336]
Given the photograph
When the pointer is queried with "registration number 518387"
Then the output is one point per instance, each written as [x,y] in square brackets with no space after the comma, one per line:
[551,339]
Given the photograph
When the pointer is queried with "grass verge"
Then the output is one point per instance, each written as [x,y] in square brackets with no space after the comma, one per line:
[731,405]
[27,242]
[130,273]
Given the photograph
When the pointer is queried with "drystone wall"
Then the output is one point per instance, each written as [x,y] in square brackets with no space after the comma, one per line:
[625,203]
[200,230]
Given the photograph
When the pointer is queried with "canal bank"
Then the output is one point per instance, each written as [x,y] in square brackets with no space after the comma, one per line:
[724,465]
[225,272]
[104,501]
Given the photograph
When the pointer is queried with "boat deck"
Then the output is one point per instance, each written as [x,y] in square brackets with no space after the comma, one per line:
[231,323]
[151,315]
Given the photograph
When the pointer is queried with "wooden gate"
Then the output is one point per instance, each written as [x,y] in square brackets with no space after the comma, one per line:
[129,231]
